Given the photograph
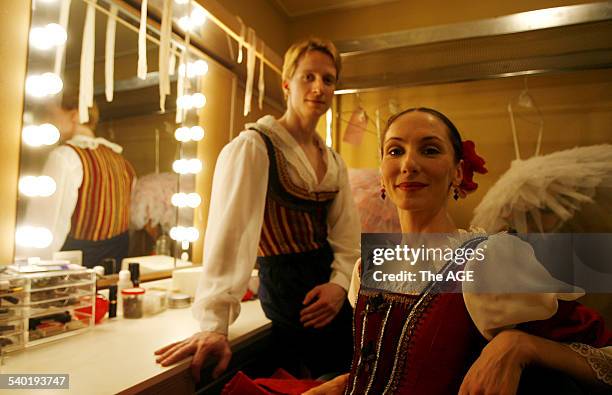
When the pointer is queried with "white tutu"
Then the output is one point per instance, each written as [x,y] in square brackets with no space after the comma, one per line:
[151,201]
[557,184]
[377,215]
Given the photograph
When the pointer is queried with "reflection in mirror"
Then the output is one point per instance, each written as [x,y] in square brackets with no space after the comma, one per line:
[114,179]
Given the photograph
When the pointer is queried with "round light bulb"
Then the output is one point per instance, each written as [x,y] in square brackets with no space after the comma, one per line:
[46,186]
[198,100]
[191,234]
[27,186]
[200,67]
[50,134]
[34,86]
[31,137]
[182,134]
[185,102]
[53,83]
[185,256]
[181,166]
[194,166]
[57,34]
[174,232]
[197,133]
[198,16]
[185,23]
[39,39]
[193,200]
[33,236]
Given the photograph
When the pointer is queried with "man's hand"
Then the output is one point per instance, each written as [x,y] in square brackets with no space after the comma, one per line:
[328,300]
[332,387]
[202,345]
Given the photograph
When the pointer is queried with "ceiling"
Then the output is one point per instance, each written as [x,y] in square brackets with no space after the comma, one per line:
[295,8]
[551,40]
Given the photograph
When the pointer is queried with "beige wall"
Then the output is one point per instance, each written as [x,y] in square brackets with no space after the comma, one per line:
[15,16]
[409,14]
[576,108]
[270,24]
[221,125]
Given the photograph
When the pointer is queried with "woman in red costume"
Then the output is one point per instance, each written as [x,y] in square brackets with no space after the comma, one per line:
[422,342]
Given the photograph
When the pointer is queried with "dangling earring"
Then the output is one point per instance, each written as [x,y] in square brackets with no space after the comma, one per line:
[456,193]
[382,193]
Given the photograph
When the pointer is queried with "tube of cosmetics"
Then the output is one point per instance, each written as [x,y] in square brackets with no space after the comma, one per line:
[112,298]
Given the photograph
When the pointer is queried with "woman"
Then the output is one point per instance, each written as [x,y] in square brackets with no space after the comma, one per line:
[423,342]
[281,198]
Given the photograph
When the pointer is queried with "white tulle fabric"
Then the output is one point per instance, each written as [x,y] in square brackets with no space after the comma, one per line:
[376,215]
[150,202]
[558,184]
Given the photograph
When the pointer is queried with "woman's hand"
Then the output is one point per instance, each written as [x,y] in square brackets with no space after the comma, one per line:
[498,368]
[335,386]
[202,345]
[329,300]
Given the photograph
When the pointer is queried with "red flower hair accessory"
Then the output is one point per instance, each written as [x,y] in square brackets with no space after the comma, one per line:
[472,163]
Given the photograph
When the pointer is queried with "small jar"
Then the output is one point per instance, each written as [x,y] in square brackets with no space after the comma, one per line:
[133,302]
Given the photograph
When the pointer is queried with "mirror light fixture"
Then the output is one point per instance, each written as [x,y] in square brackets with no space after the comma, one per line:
[182,233]
[187,166]
[185,133]
[194,69]
[37,135]
[33,186]
[47,37]
[41,85]
[33,236]
[181,199]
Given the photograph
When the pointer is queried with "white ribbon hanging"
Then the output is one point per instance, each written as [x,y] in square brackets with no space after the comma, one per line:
[172,59]
[109,55]
[248,94]
[180,89]
[86,83]
[242,39]
[142,42]
[63,21]
[261,85]
[164,52]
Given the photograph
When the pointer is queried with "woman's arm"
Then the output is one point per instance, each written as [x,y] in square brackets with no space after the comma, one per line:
[498,368]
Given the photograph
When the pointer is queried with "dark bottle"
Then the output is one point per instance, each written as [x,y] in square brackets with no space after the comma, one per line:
[134,269]
[112,299]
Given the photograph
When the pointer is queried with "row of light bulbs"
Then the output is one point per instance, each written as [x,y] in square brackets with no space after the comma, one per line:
[182,199]
[187,102]
[187,166]
[184,233]
[194,69]
[48,36]
[43,85]
[33,236]
[33,186]
[185,133]
[37,135]
[40,86]
[196,19]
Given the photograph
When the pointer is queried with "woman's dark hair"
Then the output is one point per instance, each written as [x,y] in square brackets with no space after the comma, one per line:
[454,135]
